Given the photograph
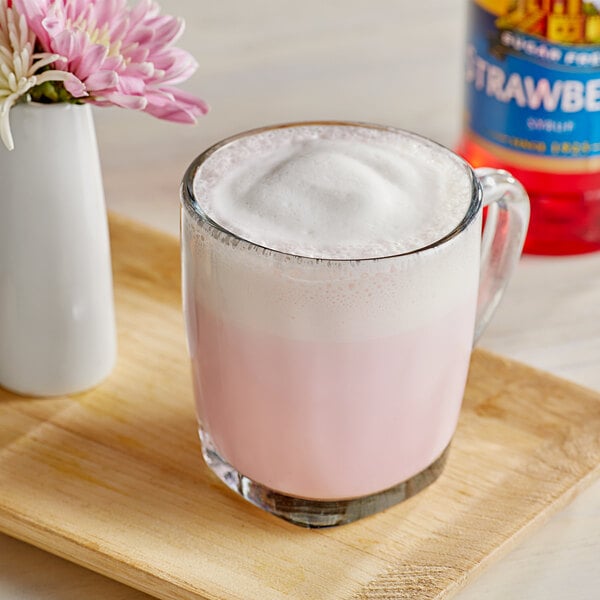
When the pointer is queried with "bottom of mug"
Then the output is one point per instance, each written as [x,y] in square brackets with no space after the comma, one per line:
[316,513]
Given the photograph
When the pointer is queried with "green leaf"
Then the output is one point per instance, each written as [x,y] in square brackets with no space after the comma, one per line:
[51,92]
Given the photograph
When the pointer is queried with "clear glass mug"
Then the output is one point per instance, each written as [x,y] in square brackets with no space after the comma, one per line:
[328,390]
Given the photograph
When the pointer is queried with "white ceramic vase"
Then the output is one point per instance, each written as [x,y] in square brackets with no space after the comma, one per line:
[57,326]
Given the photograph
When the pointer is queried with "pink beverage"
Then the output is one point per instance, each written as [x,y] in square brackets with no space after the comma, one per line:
[330,278]
[326,419]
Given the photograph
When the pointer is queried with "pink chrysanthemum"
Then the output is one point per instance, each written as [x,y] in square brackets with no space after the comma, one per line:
[123,56]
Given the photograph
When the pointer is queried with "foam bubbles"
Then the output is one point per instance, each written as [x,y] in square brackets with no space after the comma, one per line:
[292,297]
[337,192]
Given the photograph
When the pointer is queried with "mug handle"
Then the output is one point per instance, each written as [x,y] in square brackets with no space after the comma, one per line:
[502,241]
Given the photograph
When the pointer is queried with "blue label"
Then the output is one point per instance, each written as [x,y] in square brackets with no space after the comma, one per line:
[528,93]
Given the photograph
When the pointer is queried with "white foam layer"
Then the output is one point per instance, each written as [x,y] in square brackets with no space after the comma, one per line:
[293,298]
[297,298]
[337,192]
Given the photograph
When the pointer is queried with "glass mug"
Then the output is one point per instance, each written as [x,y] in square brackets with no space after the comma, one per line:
[328,390]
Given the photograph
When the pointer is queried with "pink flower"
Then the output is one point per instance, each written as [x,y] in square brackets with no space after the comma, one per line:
[123,56]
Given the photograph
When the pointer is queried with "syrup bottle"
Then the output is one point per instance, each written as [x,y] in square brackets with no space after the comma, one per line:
[532,106]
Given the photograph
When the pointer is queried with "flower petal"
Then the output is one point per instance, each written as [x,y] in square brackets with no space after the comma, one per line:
[177,64]
[142,71]
[101,80]
[125,101]
[5,132]
[92,60]
[42,60]
[136,53]
[110,12]
[168,31]
[53,25]
[141,35]
[71,83]
[184,108]
[191,102]
[144,9]
[159,97]
[34,12]
[132,86]
[66,45]
[171,113]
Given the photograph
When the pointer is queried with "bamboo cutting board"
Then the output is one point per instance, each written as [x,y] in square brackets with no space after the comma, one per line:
[113,479]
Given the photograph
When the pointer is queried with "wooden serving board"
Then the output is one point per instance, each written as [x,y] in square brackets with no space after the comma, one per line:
[113,479]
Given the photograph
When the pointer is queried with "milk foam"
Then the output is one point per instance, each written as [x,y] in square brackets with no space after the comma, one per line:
[335,192]
[294,297]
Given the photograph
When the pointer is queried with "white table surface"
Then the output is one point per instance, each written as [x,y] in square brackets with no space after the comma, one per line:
[392,62]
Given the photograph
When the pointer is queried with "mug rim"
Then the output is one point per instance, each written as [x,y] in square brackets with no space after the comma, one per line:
[191,205]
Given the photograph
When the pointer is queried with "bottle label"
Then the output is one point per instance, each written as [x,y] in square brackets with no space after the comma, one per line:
[533,80]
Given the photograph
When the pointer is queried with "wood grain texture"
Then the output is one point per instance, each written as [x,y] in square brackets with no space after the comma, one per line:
[113,479]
